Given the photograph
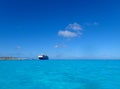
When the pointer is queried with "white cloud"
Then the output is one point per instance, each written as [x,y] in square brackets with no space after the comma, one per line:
[71,31]
[67,34]
[74,26]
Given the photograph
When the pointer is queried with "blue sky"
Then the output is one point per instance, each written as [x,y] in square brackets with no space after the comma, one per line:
[60,28]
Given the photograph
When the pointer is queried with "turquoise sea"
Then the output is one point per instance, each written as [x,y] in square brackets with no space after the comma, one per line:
[60,74]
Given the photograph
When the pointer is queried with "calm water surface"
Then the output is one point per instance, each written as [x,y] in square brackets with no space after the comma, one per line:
[60,74]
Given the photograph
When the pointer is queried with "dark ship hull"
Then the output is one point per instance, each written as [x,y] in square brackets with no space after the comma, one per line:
[43,57]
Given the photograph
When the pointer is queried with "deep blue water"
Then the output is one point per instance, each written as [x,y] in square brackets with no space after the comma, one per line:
[60,74]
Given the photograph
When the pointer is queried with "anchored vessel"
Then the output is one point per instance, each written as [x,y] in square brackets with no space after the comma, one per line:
[43,57]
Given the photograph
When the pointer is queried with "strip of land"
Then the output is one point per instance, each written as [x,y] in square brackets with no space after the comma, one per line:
[11,58]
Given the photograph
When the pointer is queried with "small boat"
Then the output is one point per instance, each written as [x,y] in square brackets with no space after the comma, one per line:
[43,57]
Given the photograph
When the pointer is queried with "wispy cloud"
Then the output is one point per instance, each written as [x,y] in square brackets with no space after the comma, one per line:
[71,31]
[18,47]
[56,46]
[92,24]
[74,26]
[60,46]
[95,23]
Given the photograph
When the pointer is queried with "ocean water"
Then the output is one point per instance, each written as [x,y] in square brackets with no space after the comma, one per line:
[60,74]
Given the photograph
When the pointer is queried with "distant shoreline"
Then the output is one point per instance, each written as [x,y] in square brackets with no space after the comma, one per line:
[11,58]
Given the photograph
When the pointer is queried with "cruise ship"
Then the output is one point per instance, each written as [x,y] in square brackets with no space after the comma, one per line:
[43,57]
